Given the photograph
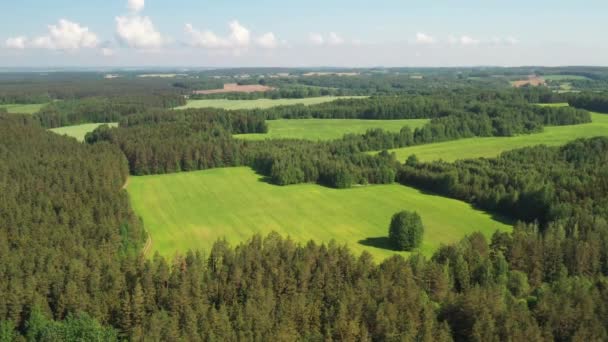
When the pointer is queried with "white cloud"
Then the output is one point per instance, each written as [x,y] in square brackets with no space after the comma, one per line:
[512,40]
[66,35]
[138,32]
[316,38]
[107,52]
[205,39]
[468,41]
[452,39]
[239,34]
[267,40]
[239,38]
[16,42]
[334,39]
[136,5]
[422,38]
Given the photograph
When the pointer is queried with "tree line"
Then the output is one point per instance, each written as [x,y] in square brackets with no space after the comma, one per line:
[597,102]
[159,142]
[102,109]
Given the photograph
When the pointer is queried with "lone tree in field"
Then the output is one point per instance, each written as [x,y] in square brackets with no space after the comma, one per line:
[406,230]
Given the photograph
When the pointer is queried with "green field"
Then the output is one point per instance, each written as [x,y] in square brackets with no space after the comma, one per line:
[79,131]
[260,103]
[493,146]
[192,210]
[326,129]
[565,78]
[23,108]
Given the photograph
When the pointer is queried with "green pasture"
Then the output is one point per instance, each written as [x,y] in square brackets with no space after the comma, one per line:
[493,146]
[23,108]
[79,131]
[191,210]
[327,129]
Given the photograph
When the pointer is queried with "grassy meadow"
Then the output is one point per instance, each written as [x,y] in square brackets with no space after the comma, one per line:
[327,129]
[79,131]
[192,210]
[260,103]
[23,108]
[565,78]
[493,146]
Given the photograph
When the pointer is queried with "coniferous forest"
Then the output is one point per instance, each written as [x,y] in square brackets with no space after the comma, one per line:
[72,265]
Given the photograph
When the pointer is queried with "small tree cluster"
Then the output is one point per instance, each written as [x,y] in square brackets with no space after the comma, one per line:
[406,230]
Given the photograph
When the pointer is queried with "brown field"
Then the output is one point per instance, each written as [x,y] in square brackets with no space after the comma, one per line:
[235,88]
[532,80]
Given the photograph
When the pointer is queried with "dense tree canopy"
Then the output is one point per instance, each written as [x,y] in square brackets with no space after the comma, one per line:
[70,246]
[406,231]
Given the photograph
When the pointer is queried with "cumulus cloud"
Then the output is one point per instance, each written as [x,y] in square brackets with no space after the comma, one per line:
[107,52]
[138,32]
[238,38]
[205,39]
[66,35]
[511,40]
[335,39]
[422,38]
[136,5]
[468,41]
[316,38]
[267,40]
[239,35]
[16,42]
[332,38]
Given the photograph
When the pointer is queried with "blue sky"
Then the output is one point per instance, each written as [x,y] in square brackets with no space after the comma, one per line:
[305,33]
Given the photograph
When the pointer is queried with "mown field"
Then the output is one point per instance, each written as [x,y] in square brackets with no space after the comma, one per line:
[326,129]
[493,146]
[79,131]
[260,103]
[191,210]
[23,108]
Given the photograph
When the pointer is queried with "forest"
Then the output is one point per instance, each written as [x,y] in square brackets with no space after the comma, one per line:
[159,141]
[543,281]
[72,265]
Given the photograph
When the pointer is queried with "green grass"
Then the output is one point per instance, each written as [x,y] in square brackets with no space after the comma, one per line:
[565,78]
[23,108]
[79,131]
[327,129]
[192,210]
[493,146]
[260,103]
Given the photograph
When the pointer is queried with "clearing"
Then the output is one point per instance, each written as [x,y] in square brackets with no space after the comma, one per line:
[327,129]
[532,80]
[260,103]
[23,108]
[191,210]
[235,88]
[493,146]
[79,131]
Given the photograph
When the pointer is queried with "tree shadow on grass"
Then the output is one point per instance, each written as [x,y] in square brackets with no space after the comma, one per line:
[382,242]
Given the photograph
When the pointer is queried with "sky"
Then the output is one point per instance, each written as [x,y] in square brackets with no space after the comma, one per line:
[340,33]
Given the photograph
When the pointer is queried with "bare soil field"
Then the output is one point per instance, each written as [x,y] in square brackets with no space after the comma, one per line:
[236,88]
[532,80]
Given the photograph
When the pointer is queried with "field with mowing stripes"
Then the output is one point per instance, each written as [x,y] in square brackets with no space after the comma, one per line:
[493,146]
[79,131]
[191,210]
[326,129]
[260,103]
